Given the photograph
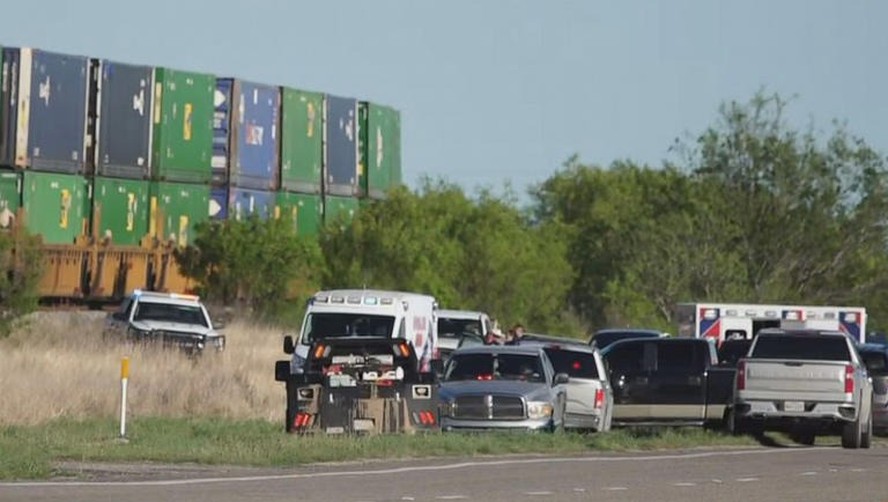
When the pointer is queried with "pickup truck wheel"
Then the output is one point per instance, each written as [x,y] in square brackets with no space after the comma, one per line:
[852,434]
[867,439]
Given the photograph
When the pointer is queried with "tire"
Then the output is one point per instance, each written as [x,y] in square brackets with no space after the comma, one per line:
[852,434]
[866,439]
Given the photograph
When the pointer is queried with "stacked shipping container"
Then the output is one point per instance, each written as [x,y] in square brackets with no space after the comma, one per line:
[131,154]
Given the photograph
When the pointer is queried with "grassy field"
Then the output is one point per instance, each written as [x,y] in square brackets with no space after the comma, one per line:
[58,367]
[32,451]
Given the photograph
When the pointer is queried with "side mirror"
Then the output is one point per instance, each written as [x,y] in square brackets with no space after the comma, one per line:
[561,379]
[118,316]
[281,371]
[289,348]
[218,324]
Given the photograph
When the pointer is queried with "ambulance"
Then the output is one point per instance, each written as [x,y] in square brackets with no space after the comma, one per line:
[723,321]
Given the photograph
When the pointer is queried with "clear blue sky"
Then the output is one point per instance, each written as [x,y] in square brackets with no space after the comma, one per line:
[492,91]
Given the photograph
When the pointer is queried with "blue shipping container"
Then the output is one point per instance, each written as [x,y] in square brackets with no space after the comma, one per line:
[219,203]
[221,130]
[124,121]
[242,202]
[341,155]
[252,150]
[50,123]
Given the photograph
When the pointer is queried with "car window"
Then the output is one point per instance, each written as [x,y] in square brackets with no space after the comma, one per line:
[814,348]
[494,367]
[626,358]
[576,364]
[680,358]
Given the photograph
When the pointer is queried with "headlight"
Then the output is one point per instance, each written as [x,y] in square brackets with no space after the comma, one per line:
[445,408]
[539,409]
[298,364]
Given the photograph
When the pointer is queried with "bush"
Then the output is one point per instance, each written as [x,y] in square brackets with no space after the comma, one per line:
[21,261]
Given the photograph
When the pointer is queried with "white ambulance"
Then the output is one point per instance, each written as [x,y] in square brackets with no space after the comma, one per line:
[349,313]
[722,321]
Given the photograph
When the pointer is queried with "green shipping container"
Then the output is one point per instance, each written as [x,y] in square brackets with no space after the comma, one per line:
[304,210]
[183,126]
[56,205]
[180,207]
[10,197]
[120,208]
[379,147]
[301,141]
[339,209]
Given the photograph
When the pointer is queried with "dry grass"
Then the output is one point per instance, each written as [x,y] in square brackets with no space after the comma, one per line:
[59,367]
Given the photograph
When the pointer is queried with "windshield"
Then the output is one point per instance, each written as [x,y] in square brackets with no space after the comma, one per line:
[319,326]
[494,367]
[165,312]
[575,364]
[457,328]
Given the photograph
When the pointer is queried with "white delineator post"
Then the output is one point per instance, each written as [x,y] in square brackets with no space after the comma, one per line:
[124,378]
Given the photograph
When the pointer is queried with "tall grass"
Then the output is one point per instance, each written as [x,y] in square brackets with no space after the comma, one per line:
[58,366]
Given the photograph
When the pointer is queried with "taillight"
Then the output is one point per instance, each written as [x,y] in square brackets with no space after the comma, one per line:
[302,420]
[741,375]
[426,418]
[599,398]
[849,379]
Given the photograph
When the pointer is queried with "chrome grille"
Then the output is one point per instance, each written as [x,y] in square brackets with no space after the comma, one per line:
[489,407]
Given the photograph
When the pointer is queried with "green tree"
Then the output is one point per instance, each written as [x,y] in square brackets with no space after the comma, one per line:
[479,253]
[263,264]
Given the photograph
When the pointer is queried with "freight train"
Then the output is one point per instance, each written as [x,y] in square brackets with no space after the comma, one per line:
[113,165]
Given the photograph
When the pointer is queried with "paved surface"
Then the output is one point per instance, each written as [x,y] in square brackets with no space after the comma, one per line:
[819,473]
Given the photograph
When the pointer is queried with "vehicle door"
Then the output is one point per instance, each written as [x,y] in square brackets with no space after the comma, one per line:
[676,383]
[628,379]
[585,381]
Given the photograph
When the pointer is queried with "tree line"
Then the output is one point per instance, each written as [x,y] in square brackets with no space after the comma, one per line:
[750,210]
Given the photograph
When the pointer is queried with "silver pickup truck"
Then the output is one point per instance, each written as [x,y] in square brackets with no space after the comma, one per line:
[805,382]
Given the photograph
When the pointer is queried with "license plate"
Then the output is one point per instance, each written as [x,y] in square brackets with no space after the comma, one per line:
[794,406]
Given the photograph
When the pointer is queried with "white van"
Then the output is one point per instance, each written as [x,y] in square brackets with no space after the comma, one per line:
[370,313]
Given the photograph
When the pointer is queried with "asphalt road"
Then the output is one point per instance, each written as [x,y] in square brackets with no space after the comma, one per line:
[819,473]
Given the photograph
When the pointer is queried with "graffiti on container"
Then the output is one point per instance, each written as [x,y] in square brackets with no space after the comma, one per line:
[7,217]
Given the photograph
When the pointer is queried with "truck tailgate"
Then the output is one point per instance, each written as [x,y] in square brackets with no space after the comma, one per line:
[802,380]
